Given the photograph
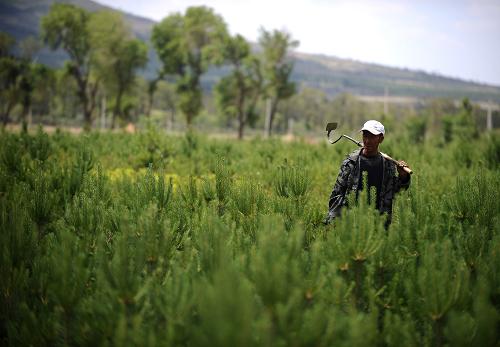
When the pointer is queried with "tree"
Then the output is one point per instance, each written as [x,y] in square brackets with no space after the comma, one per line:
[116,55]
[277,69]
[238,93]
[67,26]
[152,87]
[186,46]
[9,77]
[45,90]
[6,43]
[31,74]
[466,126]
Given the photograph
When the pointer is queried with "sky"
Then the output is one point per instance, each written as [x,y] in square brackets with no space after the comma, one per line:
[458,38]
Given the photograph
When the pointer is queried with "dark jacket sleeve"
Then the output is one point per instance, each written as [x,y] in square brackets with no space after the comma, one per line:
[338,195]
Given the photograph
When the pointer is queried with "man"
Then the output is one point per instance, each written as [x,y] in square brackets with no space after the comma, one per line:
[380,173]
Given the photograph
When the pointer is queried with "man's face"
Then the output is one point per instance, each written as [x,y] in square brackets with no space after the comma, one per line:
[371,142]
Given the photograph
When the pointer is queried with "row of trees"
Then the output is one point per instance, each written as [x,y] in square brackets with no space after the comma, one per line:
[19,76]
[100,76]
[104,58]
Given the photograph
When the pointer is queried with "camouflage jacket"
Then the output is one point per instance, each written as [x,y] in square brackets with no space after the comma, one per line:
[348,179]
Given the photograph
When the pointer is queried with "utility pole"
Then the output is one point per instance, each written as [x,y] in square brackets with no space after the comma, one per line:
[103,112]
[30,117]
[291,122]
[386,107]
[267,124]
[489,119]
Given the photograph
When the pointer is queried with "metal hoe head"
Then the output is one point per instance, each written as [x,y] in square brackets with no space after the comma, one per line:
[330,128]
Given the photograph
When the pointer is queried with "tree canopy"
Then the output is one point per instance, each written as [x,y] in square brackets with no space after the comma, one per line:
[186,45]
[277,68]
[237,93]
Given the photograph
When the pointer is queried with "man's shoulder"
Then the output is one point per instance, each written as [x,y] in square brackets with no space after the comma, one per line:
[353,156]
[351,159]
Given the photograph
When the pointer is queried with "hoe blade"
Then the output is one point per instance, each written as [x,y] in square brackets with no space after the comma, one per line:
[331,126]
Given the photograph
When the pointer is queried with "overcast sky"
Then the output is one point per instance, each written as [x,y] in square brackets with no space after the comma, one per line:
[458,38]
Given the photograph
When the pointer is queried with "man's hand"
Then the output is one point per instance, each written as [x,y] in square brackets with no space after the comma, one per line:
[402,173]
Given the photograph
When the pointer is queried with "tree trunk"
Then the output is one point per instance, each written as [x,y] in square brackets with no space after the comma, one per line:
[149,105]
[82,95]
[117,109]
[6,113]
[151,93]
[5,118]
[103,112]
[87,119]
[87,98]
[241,110]
[172,118]
[26,108]
[241,126]
[272,112]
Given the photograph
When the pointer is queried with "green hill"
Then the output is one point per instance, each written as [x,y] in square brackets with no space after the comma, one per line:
[21,18]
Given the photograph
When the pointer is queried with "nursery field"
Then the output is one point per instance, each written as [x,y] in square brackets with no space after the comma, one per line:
[150,239]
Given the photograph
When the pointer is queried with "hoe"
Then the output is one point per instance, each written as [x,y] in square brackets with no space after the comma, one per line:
[331,127]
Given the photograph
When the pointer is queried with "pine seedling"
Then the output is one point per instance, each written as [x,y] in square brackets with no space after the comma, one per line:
[11,156]
[270,262]
[358,236]
[442,281]
[208,190]
[488,270]
[400,330]
[43,203]
[163,193]
[475,199]
[248,199]
[158,239]
[191,196]
[171,300]
[40,146]
[190,143]
[486,315]
[147,186]
[291,181]
[226,308]
[121,274]
[66,282]
[211,239]
[492,152]
[90,212]
[19,253]
[84,162]
[152,188]
[460,329]
[223,183]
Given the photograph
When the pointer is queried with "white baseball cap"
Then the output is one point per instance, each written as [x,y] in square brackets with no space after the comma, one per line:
[373,126]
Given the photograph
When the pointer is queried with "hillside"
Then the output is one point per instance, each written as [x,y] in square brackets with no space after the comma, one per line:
[21,18]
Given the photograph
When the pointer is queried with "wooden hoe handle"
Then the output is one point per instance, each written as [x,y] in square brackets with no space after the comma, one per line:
[405,168]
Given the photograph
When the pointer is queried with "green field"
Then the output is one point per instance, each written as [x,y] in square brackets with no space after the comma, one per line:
[150,239]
